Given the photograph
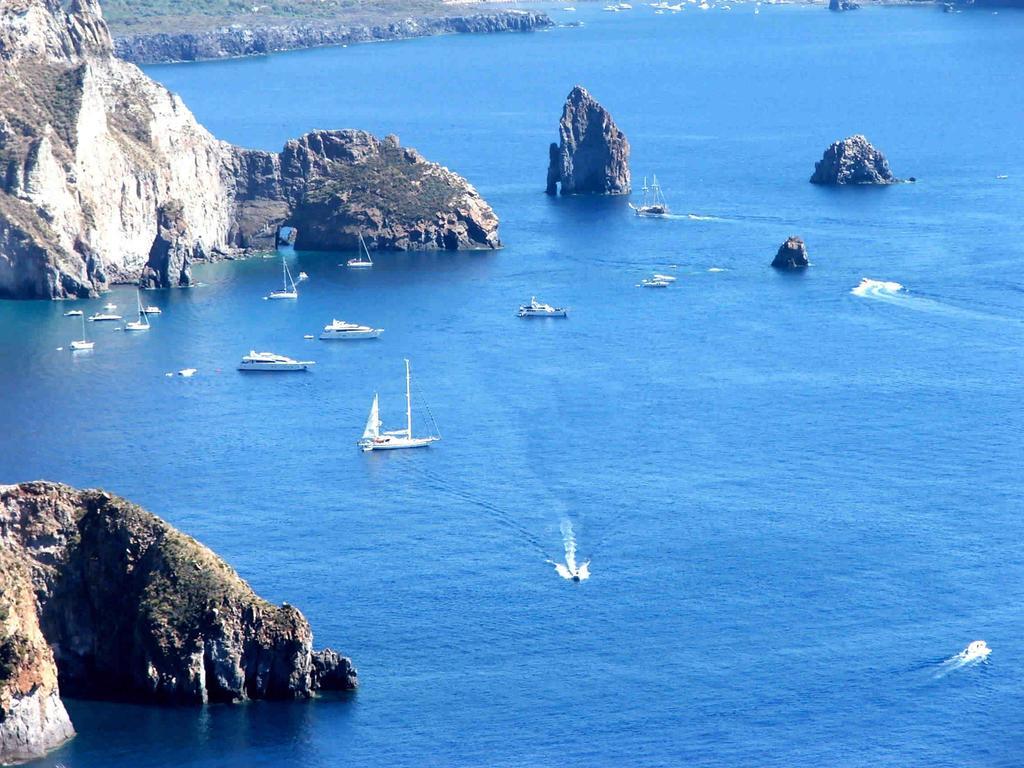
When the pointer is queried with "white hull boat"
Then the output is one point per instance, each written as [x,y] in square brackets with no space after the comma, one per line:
[339,330]
[539,309]
[653,204]
[374,439]
[100,317]
[151,310]
[73,313]
[142,324]
[363,261]
[288,287]
[268,361]
[83,343]
[110,307]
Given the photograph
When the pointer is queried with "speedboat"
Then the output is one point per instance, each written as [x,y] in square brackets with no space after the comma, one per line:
[100,317]
[73,313]
[339,329]
[651,282]
[110,307]
[538,309]
[374,439]
[151,310]
[363,260]
[268,361]
[976,650]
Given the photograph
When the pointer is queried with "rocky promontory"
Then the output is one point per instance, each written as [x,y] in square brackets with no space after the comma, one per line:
[592,156]
[236,40]
[792,254]
[852,161]
[105,176]
[101,599]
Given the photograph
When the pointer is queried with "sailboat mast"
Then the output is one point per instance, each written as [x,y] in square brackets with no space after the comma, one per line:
[408,398]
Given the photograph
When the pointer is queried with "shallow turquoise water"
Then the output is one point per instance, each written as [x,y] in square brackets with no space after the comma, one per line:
[798,501]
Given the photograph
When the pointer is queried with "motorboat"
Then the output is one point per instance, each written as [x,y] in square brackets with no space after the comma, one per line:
[374,439]
[363,261]
[110,307]
[539,309]
[101,317]
[665,278]
[653,204]
[82,344]
[288,288]
[142,324]
[268,361]
[152,310]
[73,313]
[339,329]
[976,650]
[650,282]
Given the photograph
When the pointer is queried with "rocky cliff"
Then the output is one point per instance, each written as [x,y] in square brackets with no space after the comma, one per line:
[592,156]
[109,601]
[105,176]
[243,40]
[792,254]
[852,161]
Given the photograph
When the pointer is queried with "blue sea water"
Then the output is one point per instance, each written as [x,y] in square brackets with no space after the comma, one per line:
[798,501]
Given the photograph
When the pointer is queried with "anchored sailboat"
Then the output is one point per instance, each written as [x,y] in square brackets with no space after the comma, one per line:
[288,289]
[374,439]
[142,324]
[654,201]
[363,261]
[84,343]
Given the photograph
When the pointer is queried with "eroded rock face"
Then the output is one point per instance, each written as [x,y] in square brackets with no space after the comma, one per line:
[105,176]
[131,609]
[852,161]
[843,5]
[792,254]
[592,156]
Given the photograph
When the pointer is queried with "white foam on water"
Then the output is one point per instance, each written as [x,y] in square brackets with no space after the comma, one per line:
[975,653]
[717,269]
[569,570]
[878,289]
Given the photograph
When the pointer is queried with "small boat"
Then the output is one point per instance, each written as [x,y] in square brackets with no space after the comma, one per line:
[73,313]
[303,276]
[110,307]
[339,329]
[570,9]
[374,439]
[650,282]
[142,324]
[653,204]
[538,309]
[976,650]
[288,289]
[665,278]
[79,345]
[363,261]
[101,317]
[151,310]
[268,361]
[187,373]
[612,8]
[625,6]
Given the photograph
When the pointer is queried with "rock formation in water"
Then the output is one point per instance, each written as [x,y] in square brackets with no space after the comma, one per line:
[792,254]
[240,40]
[108,601]
[105,176]
[842,5]
[852,161]
[592,156]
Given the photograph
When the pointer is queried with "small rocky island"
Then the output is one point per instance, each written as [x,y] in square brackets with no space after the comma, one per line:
[101,599]
[792,254]
[105,176]
[852,161]
[592,156]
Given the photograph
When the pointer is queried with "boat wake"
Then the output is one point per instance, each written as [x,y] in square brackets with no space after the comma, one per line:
[974,654]
[569,570]
[896,293]
[878,289]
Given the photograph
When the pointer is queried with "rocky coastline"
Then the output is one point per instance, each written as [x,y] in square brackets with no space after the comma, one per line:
[101,599]
[237,40]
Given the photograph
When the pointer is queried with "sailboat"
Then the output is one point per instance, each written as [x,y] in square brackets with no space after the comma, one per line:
[654,201]
[84,343]
[374,439]
[288,289]
[363,261]
[142,324]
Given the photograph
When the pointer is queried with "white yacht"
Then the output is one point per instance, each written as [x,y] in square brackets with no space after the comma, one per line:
[538,309]
[374,439]
[152,310]
[73,313]
[110,307]
[268,361]
[653,204]
[288,289]
[142,324]
[339,329]
[101,317]
[363,261]
[83,343]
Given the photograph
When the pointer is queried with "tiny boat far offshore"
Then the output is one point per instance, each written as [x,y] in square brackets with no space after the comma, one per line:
[539,309]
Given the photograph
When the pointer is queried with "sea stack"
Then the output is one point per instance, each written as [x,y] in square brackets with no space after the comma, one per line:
[592,156]
[843,5]
[792,254]
[852,161]
[101,599]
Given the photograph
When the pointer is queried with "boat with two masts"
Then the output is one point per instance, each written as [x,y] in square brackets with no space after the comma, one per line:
[653,204]
[374,439]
